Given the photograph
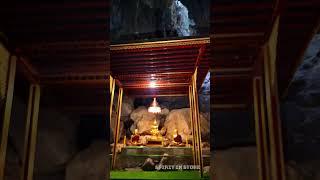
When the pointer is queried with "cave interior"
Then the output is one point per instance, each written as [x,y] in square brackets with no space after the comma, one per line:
[68,50]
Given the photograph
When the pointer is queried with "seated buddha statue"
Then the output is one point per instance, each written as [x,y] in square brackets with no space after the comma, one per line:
[136,137]
[177,137]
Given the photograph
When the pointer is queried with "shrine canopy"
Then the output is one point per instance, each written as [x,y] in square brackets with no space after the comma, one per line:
[161,68]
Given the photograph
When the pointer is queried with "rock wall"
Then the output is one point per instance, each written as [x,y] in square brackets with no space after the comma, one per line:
[147,19]
[56,142]
[240,163]
[204,94]
[136,116]
[143,120]
[90,163]
[235,164]
[180,119]
[126,110]
[300,112]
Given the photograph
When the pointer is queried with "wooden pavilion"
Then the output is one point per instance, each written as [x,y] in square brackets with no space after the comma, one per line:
[63,49]
[174,67]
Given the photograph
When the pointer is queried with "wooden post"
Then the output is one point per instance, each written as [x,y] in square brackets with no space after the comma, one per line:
[277,168]
[31,133]
[195,124]
[112,88]
[116,136]
[194,153]
[197,120]
[261,128]
[7,114]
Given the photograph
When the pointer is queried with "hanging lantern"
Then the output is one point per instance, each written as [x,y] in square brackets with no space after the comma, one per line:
[154,107]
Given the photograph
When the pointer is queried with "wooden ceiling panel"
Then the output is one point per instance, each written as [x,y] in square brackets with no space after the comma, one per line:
[301,20]
[169,64]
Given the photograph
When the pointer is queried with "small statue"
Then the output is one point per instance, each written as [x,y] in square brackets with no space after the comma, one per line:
[136,137]
[177,137]
[150,164]
[154,129]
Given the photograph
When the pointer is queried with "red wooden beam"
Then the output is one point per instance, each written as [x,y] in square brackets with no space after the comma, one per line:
[154,52]
[157,86]
[153,70]
[153,59]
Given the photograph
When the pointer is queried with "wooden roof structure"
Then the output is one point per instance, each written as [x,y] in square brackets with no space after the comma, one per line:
[65,46]
[239,30]
[168,64]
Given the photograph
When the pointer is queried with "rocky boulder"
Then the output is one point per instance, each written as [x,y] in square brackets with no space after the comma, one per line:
[56,137]
[92,163]
[300,110]
[113,125]
[56,142]
[127,106]
[240,163]
[180,119]
[147,19]
[204,95]
[143,120]
[235,164]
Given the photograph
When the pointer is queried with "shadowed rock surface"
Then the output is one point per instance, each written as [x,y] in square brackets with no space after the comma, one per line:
[300,112]
[90,163]
[149,19]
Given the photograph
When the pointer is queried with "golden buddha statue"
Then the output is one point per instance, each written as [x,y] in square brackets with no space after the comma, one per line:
[154,129]
[155,137]
[136,137]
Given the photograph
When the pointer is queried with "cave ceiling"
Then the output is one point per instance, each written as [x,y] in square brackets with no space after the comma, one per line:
[151,20]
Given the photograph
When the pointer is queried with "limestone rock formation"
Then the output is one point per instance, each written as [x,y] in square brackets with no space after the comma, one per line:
[113,125]
[56,138]
[147,19]
[174,102]
[300,112]
[240,163]
[127,106]
[235,164]
[143,120]
[56,142]
[204,95]
[180,119]
[91,163]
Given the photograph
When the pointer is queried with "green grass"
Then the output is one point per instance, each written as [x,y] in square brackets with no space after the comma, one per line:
[177,175]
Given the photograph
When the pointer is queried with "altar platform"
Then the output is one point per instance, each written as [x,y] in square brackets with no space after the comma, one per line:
[176,175]
[134,156]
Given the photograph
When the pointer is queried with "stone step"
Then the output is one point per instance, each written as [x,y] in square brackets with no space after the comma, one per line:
[135,156]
